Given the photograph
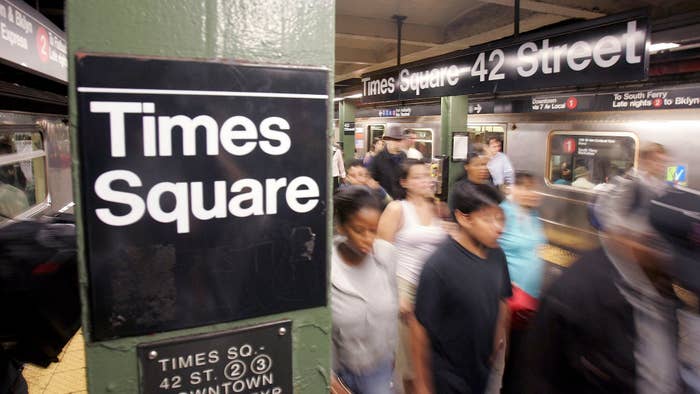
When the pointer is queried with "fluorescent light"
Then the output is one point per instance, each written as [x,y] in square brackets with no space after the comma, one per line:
[662,46]
[352,96]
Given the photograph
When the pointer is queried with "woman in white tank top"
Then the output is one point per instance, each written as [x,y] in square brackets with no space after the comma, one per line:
[414,227]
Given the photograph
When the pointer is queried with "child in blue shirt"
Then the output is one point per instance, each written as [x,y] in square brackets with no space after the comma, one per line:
[521,240]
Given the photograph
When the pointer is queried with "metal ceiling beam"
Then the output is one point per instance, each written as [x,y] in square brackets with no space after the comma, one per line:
[384,30]
[547,8]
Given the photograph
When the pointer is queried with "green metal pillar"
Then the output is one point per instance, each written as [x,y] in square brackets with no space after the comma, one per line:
[346,114]
[453,110]
[259,31]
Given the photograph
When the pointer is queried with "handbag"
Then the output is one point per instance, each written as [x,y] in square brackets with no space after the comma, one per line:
[522,308]
[338,386]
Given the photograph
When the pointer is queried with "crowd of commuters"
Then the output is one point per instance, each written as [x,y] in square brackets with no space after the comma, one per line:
[423,302]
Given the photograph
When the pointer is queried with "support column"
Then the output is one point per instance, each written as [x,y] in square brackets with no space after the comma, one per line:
[453,110]
[255,31]
[346,117]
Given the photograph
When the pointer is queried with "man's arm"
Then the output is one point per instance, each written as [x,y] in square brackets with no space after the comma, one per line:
[502,326]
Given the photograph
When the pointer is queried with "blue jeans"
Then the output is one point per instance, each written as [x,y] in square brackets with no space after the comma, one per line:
[376,381]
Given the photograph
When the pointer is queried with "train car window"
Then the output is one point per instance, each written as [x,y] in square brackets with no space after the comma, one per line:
[424,142]
[589,161]
[481,133]
[22,172]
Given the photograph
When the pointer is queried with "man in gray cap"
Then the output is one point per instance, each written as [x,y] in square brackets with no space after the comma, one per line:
[386,165]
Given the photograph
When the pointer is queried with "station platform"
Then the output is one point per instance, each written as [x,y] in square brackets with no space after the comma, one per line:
[67,376]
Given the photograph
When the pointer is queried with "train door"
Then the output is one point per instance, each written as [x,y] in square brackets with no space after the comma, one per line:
[375,131]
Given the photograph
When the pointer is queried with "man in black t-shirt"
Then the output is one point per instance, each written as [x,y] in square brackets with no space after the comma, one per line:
[460,298]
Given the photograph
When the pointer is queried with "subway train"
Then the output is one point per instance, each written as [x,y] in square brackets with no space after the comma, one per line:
[38,282]
[35,165]
[543,143]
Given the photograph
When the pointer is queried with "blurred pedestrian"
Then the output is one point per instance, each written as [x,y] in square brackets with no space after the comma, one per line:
[364,303]
[499,165]
[338,166]
[358,175]
[521,241]
[476,169]
[377,146]
[386,165]
[414,227]
[409,145]
[460,301]
[609,324]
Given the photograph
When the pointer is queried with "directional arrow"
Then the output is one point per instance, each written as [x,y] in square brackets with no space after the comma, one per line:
[477,108]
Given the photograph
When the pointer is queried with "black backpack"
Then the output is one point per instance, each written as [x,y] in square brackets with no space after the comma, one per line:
[39,293]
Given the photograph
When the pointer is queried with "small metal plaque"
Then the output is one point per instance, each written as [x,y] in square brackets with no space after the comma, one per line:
[255,360]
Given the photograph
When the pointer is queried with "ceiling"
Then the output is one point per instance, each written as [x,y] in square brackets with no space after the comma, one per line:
[365,38]
[366,34]
[53,10]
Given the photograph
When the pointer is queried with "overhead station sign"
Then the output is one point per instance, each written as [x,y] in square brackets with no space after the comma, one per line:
[653,99]
[30,40]
[202,195]
[608,50]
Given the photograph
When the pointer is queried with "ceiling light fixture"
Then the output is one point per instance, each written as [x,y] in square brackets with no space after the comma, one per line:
[662,46]
[352,96]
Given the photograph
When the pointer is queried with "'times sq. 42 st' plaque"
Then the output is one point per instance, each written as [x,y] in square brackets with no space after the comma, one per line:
[254,360]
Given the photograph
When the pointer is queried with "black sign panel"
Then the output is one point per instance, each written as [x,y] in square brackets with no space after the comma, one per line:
[656,99]
[603,51]
[348,128]
[395,112]
[252,360]
[652,99]
[30,40]
[485,107]
[202,195]
[579,103]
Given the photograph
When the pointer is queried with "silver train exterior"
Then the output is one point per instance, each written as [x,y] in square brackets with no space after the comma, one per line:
[565,210]
[56,155]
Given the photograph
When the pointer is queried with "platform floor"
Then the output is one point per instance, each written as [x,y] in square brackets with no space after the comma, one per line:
[64,377]
[67,376]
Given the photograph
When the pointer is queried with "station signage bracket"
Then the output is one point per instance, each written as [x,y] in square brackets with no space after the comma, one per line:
[203,200]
